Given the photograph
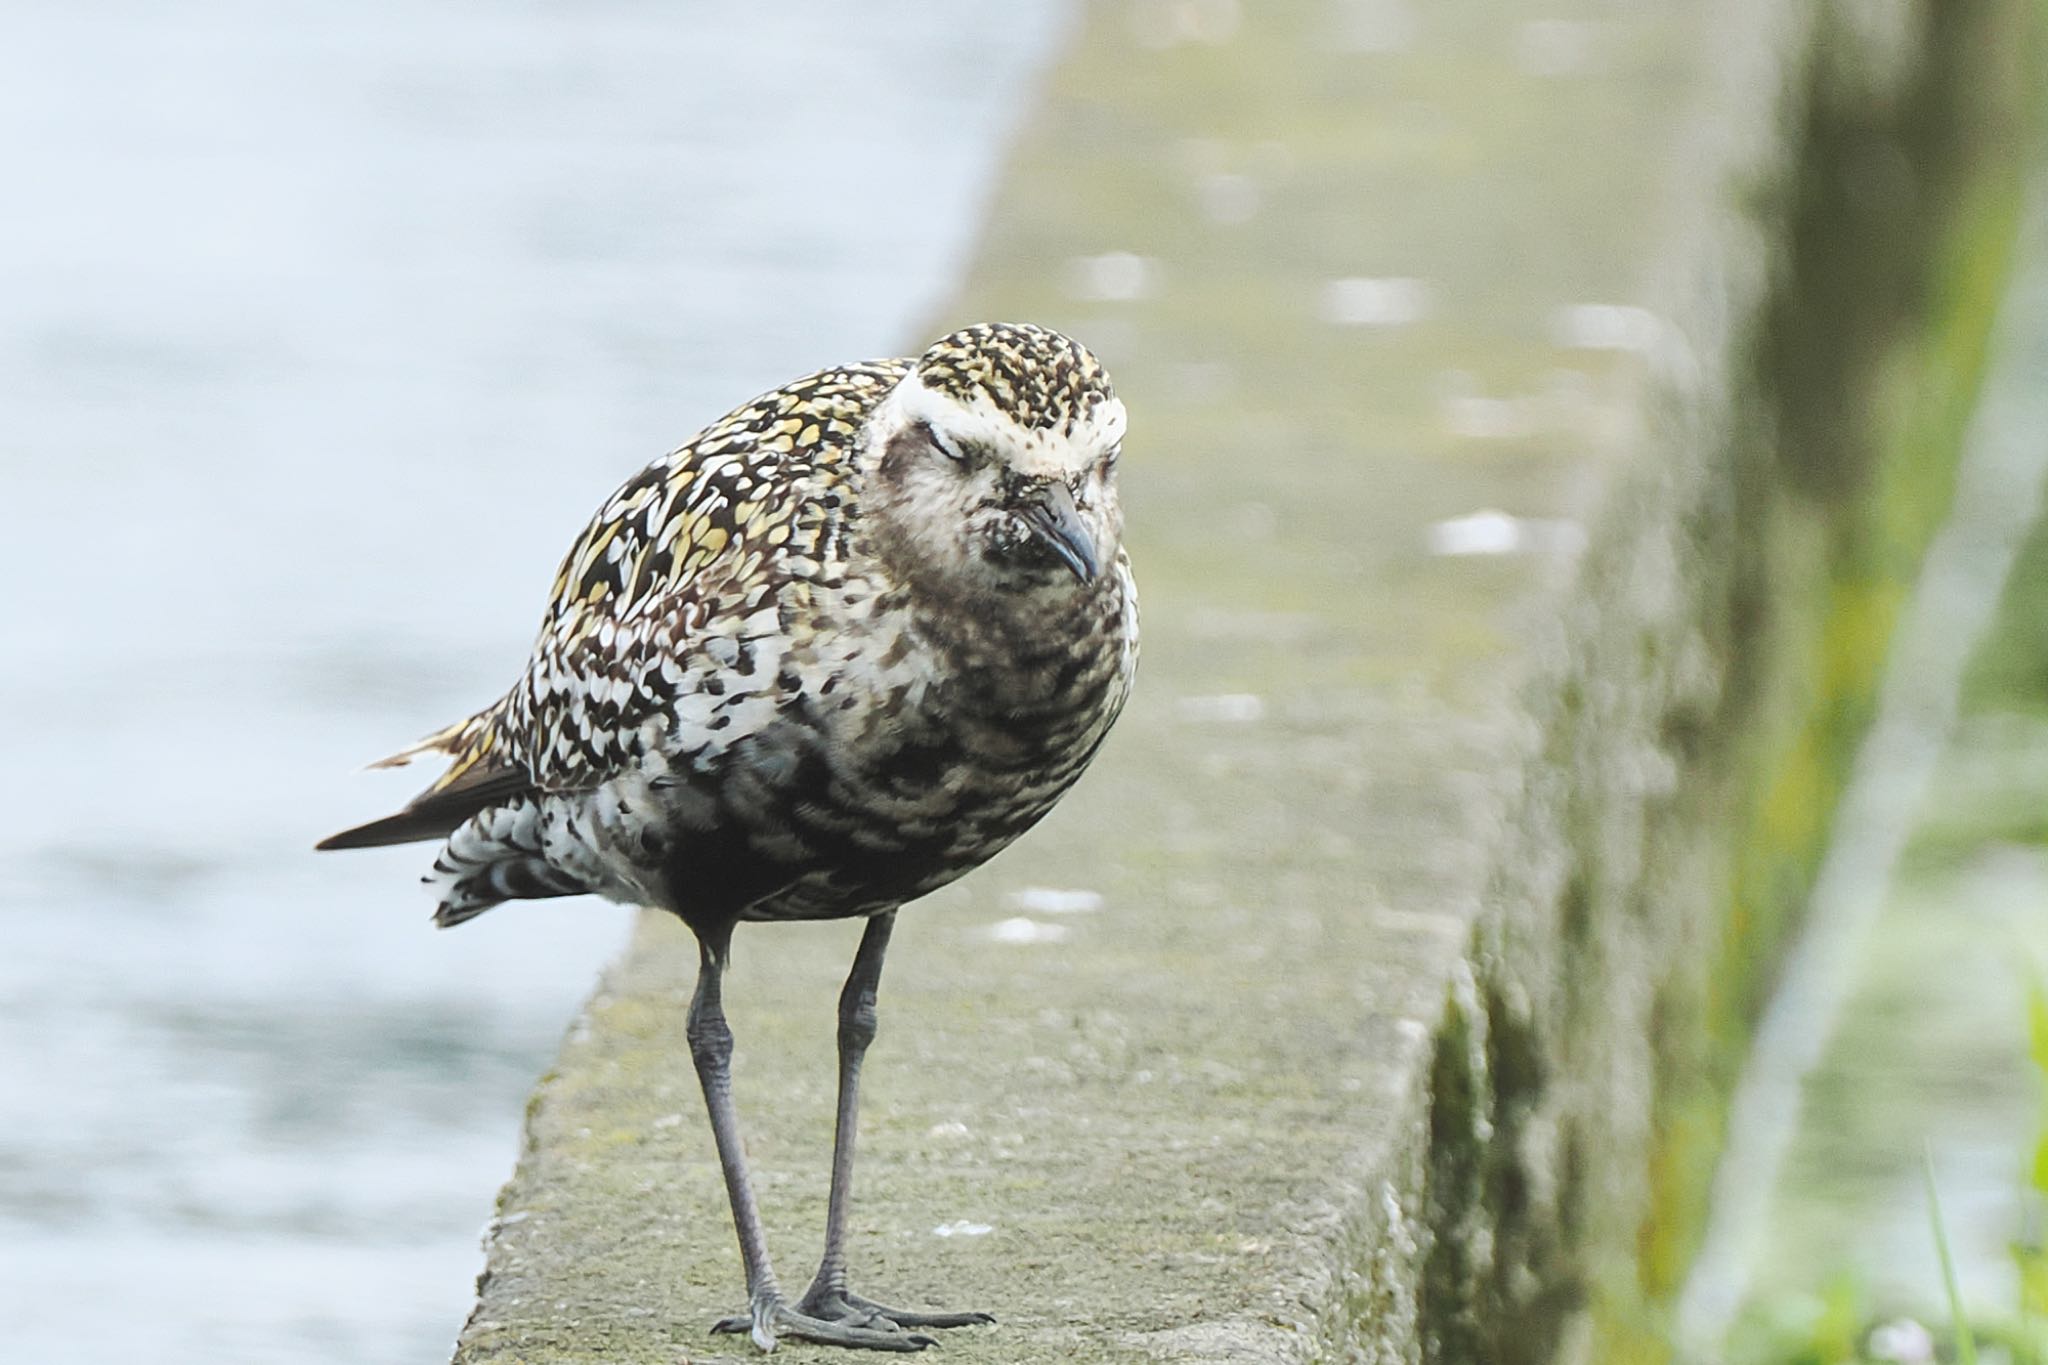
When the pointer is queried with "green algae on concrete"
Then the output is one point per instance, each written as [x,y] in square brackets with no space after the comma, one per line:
[1898,335]
[1931,1046]
[1411,863]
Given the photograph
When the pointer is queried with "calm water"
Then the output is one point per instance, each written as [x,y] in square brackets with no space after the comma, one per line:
[322,328]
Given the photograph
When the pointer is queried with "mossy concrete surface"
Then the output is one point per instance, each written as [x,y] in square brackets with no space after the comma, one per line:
[1436,889]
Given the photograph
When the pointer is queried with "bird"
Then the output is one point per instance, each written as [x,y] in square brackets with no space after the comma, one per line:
[838,649]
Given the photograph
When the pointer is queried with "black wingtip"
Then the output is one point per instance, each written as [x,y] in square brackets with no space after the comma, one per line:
[406,827]
[436,812]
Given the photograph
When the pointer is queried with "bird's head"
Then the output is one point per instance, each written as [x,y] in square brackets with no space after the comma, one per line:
[992,466]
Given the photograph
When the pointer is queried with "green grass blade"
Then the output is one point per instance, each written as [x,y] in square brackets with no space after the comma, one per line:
[1966,1344]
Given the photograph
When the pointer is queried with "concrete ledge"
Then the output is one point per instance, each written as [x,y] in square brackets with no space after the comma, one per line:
[1437,888]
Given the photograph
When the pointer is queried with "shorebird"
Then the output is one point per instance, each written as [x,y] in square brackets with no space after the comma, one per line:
[841,647]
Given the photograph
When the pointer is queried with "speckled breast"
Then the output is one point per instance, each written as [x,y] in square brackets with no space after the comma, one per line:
[840,810]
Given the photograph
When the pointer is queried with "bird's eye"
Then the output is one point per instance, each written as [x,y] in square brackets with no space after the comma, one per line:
[947,446]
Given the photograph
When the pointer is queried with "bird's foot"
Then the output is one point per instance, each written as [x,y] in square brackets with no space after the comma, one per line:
[837,1318]
[838,1305]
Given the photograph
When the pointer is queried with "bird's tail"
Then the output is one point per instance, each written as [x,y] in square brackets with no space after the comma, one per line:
[494,857]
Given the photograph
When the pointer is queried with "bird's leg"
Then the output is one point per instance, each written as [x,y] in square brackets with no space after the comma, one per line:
[711,1050]
[856,1031]
[828,1297]
[768,1313]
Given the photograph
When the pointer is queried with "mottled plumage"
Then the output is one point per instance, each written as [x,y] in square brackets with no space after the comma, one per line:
[844,645]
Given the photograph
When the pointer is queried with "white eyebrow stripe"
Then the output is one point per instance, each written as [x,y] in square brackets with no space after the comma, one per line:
[1030,451]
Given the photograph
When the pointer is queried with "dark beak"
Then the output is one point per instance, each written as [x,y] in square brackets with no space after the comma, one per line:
[1055,520]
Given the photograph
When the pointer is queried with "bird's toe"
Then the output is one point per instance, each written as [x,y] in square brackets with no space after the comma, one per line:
[858,1330]
[840,1306]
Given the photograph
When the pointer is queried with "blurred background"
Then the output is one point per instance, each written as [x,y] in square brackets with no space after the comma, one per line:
[322,330]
